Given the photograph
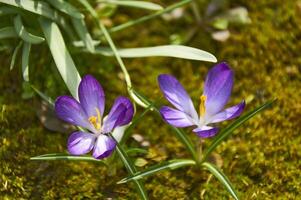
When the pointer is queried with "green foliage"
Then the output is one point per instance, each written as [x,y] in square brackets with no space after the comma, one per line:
[263,160]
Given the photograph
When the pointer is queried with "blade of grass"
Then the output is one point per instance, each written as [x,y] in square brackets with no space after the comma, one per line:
[237,123]
[132,170]
[167,165]
[137,4]
[61,56]
[136,151]
[25,60]
[22,32]
[42,9]
[6,10]
[221,177]
[82,31]
[8,32]
[62,156]
[13,59]
[176,51]
[66,8]
[148,17]
[37,7]
[48,99]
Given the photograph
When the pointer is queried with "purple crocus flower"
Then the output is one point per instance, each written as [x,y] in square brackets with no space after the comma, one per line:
[217,91]
[88,113]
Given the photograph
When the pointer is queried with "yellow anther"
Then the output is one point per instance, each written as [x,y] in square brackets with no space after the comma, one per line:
[202,108]
[96,121]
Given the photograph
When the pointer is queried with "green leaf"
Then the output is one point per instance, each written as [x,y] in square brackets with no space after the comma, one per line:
[137,4]
[37,7]
[61,56]
[63,156]
[176,51]
[179,133]
[43,9]
[8,32]
[80,43]
[222,178]
[229,129]
[83,33]
[25,60]
[22,32]
[5,10]
[48,99]
[66,8]
[136,151]
[132,170]
[148,17]
[167,165]
[90,9]
[13,60]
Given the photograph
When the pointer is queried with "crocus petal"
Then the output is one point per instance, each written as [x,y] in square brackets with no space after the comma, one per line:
[80,143]
[205,131]
[116,116]
[69,110]
[118,132]
[218,87]
[176,94]
[175,117]
[91,96]
[104,146]
[228,113]
[129,109]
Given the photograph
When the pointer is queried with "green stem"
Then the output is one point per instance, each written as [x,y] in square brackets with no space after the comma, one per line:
[114,49]
[131,169]
[148,17]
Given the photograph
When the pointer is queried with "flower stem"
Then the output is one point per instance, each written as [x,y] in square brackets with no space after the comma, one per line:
[199,150]
[148,17]
[131,169]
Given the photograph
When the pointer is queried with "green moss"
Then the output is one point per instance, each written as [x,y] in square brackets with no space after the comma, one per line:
[262,158]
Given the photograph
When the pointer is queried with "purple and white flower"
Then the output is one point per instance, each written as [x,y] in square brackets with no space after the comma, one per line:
[88,113]
[217,91]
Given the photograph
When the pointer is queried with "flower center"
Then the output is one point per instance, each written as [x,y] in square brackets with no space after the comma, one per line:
[96,120]
[202,108]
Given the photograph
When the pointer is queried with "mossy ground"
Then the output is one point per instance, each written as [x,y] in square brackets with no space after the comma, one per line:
[262,158]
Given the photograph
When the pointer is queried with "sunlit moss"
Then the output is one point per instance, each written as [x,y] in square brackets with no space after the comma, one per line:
[262,158]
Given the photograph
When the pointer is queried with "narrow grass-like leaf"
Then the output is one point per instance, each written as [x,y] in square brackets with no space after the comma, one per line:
[176,51]
[167,165]
[37,7]
[132,170]
[148,17]
[81,44]
[5,10]
[137,4]
[221,177]
[43,9]
[87,5]
[62,156]
[22,32]
[66,8]
[25,60]
[136,151]
[61,56]
[83,33]
[48,99]
[8,32]
[13,59]
[229,129]
[179,133]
